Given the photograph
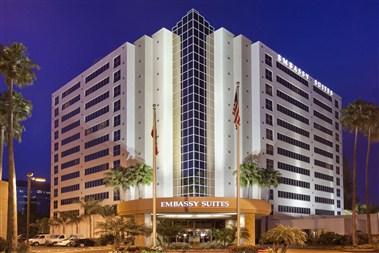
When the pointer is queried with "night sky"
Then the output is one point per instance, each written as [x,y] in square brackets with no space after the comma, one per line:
[336,42]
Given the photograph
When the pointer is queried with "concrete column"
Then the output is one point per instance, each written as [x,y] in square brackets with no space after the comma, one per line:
[250,226]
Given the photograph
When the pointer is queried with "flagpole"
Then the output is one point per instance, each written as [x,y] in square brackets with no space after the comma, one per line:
[238,173]
[154,178]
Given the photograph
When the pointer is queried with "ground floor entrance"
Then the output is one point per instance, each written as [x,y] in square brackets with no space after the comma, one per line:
[197,220]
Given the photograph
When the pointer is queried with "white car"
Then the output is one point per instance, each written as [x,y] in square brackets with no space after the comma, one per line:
[39,240]
[68,242]
[54,239]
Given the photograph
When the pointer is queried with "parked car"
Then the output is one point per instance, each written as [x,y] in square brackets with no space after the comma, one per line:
[83,242]
[54,239]
[39,240]
[69,241]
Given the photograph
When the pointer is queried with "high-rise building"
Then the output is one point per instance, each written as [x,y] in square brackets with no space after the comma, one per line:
[290,119]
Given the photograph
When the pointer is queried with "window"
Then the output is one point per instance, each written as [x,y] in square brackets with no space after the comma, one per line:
[293,155]
[323,176]
[96,141]
[269,164]
[337,126]
[55,204]
[96,155]
[117,91]
[56,145]
[70,114]
[116,150]
[97,100]
[97,86]
[338,181]
[56,112]
[56,135]
[55,181]
[96,169]
[324,212]
[55,169]
[337,137]
[70,151]
[56,100]
[338,203]
[337,148]
[97,114]
[117,61]
[71,102]
[116,106]
[116,120]
[116,135]
[268,134]
[324,200]
[268,119]
[291,100]
[322,140]
[291,195]
[70,164]
[293,209]
[116,195]
[288,167]
[271,194]
[70,139]
[70,176]
[292,74]
[268,89]
[97,72]
[322,117]
[323,152]
[70,126]
[336,115]
[336,104]
[116,163]
[69,201]
[322,129]
[56,123]
[97,196]
[70,90]
[268,60]
[293,128]
[70,188]
[56,158]
[268,104]
[293,182]
[55,192]
[292,87]
[292,114]
[322,105]
[292,141]
[337,170]
[268,75]
[338,193]
[94,183]
[116,76]
[269,149]
[321,93]
[97,127]
[324,188]
[323,164]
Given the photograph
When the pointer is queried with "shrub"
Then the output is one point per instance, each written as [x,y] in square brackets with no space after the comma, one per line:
[106,239]
[283,236]
[211,245]
[243,249]
[330,238]
[3,244]
[179,245]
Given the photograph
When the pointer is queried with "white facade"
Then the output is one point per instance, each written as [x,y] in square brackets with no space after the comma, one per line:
[150,73]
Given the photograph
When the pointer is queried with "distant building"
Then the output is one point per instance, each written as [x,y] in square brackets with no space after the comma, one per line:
[39,199]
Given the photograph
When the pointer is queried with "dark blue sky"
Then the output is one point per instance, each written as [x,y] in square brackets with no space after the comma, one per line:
[336,42]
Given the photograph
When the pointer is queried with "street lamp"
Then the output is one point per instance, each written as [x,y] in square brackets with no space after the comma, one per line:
[31,178]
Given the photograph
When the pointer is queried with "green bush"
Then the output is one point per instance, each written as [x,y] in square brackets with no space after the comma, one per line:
[105,239]
[211,245]
[330,238]
[3,244]
[180,245]
[243,249]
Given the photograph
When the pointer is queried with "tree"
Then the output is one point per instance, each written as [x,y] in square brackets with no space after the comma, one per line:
[143,176]
[74,218]
[120,179]
[22,110]
[352,119]
[107,211]
[120,227]
[17,70]
[91,207]
[283,236]
[63,219]
[53,222]
[370,125]
[227,236]
[42,225]
[347,185]
[168,230]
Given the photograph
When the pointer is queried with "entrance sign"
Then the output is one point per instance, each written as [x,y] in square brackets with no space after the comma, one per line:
[193,203]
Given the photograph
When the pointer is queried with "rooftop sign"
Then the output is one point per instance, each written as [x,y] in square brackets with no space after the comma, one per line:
[301,73]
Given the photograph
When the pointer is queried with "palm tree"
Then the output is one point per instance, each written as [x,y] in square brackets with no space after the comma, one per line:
[53,222]
[143,176]
[17,70]
[42,225]
[370,125]
[63,220]
[91,207]
[107,211]
[74,218]
[352,118]
[283,236]
[120,179]
[22,110]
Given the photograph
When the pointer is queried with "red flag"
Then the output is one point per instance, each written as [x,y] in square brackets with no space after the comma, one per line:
[236,110]
[154,134]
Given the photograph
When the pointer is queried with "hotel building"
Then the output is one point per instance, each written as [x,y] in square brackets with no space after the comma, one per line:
[104,115]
